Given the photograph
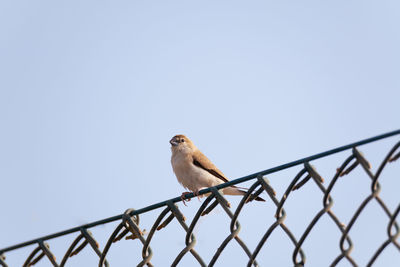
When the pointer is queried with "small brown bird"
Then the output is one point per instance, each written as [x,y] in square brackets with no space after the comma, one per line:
[195,171]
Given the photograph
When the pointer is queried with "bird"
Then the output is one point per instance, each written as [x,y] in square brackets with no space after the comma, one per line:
[195,171]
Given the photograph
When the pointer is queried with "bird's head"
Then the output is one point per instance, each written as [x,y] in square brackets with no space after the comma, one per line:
[181,143]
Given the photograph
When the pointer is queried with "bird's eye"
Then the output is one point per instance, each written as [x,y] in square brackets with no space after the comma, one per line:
[182,140]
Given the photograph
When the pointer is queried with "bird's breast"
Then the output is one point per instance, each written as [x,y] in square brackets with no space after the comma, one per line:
[190,175]
[181,167]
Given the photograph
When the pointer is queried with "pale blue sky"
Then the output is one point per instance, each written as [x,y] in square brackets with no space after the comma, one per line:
[91,92]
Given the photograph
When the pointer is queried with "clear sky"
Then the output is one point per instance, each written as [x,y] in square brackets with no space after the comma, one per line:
[92,91]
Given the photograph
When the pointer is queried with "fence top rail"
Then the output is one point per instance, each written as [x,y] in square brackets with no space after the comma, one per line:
[178,199]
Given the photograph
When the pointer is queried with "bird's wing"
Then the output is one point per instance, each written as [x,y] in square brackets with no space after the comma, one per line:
[203,162]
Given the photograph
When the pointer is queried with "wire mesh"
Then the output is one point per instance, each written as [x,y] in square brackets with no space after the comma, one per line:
[129,222]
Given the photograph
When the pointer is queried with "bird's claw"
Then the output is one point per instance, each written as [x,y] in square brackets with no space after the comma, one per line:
[184,199]
[197,194]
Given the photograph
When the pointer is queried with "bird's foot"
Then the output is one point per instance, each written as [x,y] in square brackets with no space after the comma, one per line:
[183,198]
[196,193]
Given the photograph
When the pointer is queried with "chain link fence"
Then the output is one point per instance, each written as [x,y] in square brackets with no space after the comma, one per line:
[337,250]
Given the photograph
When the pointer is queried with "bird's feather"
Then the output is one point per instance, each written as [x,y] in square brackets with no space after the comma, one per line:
[201,161]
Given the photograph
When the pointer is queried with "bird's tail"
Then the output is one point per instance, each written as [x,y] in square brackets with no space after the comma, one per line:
[233,190]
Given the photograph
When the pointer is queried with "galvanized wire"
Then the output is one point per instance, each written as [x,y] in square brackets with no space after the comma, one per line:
[129,220]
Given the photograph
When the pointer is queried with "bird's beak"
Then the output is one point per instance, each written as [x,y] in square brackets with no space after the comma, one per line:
[173,142]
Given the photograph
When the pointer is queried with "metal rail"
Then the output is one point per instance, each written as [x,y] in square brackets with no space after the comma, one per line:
[130,219]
